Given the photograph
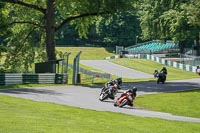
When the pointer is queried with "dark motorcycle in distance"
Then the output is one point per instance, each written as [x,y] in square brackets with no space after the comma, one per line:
[125,99]
[109,92]
[161,77]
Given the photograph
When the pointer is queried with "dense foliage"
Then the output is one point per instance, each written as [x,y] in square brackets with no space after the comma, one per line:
[171,19]
[29,27]
[34,23]
[121,29]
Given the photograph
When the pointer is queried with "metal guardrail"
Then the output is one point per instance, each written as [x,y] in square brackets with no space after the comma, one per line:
[75,78]
[175,64]
[190,59]
[92,73]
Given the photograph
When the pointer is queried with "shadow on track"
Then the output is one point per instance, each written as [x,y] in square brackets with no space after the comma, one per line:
[29,90]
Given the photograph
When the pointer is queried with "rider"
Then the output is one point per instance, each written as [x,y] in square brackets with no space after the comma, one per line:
[117,81]
[155,73]
[113,91]
[198,70]
[114,85]
[164,70]
[133,94]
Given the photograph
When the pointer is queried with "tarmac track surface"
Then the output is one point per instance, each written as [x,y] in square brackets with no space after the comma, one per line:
[87,97]
[115,69]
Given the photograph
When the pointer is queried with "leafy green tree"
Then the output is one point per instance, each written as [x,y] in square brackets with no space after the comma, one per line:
[193,14]
[168,19]
[35,23]
[121,31]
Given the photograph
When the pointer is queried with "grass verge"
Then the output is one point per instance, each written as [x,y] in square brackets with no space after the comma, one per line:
[178,103]
[149,66]
[22,116]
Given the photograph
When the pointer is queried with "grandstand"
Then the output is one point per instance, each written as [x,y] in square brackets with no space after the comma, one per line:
[152,47]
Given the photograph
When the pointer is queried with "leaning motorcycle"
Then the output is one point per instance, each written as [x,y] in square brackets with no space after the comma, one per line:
[117,81]
[108,93]
[125,99]
[161,77]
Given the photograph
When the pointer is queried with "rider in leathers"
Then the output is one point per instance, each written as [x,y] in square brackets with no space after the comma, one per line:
[164,69]
[113,83]
[133,94]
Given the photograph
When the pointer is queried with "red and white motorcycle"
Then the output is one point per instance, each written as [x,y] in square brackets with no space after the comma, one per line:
[125,99]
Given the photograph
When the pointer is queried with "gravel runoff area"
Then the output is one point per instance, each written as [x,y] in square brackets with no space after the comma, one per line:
[88,97]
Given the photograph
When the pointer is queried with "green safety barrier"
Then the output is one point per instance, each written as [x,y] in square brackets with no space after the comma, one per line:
[32,78]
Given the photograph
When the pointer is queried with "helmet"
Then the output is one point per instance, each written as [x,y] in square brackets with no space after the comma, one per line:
[134,89]
[119,80]
[164,68]
[115,85]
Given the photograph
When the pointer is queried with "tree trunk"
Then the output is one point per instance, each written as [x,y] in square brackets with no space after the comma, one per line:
[198,45]
[181,46]
[50,30]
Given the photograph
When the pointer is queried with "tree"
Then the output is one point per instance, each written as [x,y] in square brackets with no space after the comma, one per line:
[40,20]
[121,31]
[193,15]
[168,19]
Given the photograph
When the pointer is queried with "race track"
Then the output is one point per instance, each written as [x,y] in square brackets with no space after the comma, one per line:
[87,97]
[115,69]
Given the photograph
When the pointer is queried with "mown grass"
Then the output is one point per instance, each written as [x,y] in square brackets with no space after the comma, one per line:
[26,116]
[22,116]
[17,86]
[88,53]
[178,103]
[149,66]
[143,65]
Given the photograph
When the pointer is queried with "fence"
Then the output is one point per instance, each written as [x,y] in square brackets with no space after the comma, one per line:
[171,63]
[118,49]
[76,78]
[179,65]
[24,78]
[93,74]
[190,60]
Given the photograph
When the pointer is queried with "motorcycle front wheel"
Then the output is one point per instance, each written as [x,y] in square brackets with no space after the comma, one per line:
[103,96]
[123,103]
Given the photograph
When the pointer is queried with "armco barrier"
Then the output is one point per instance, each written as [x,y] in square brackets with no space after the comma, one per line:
[32,78]
[162,61]
[93,74]
[171,63]
[2,78]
